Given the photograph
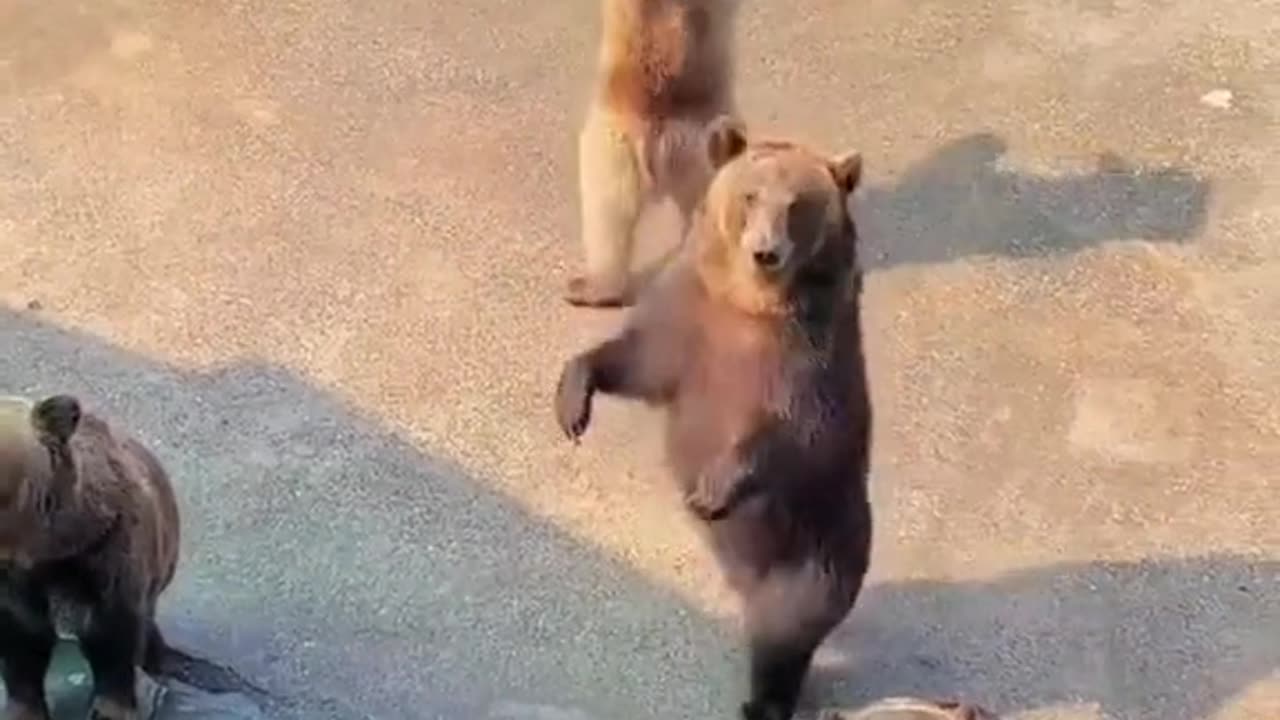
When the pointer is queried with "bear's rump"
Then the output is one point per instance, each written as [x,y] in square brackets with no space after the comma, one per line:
[69,615]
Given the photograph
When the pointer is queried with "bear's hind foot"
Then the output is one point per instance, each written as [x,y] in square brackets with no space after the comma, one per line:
[587,291]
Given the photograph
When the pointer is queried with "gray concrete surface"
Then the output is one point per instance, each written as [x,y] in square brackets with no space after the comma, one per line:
[312,252]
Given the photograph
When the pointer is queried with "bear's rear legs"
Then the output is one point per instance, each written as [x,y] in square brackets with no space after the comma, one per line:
[788,614]
[27,639]
[777,675]
[611,197]
[114,648]
[25,655]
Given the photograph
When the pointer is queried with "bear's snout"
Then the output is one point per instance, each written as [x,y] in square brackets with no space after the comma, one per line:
[769,251]
[767,259]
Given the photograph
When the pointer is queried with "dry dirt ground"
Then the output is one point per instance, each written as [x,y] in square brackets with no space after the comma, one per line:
[312,252]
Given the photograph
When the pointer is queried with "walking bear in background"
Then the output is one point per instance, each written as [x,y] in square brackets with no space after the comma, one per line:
[665,71]
[751,342]
[89,535]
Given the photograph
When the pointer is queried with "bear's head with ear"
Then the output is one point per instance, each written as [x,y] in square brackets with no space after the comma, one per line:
[776,229]
[37,469]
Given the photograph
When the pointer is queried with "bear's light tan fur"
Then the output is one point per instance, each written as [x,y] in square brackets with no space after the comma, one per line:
[665,73]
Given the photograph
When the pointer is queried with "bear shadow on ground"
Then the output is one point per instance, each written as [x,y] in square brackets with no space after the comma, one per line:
[351,575]
[1159,639]
[354,576]
[959,202]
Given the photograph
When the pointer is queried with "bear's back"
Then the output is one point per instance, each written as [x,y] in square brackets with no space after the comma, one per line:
[120,475]
[666,59]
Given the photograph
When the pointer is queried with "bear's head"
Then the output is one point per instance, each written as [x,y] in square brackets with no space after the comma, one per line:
[37,470]
[775,235]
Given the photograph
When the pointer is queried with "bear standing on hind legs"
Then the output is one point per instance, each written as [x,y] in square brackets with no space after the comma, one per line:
[665,70]
[751,342]
[89,534]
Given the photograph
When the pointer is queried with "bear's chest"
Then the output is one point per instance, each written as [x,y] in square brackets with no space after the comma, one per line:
[744,370]
[741,378]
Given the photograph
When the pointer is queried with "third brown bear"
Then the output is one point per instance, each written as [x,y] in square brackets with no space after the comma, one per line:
[665,71]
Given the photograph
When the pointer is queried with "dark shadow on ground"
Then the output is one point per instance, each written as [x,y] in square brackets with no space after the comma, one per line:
[354,576]
[69,687]
[959,202]
[1161,639]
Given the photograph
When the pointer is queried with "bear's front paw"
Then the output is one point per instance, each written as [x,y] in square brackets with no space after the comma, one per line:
[573,399]
[721,488]
[705,503]
[711,498]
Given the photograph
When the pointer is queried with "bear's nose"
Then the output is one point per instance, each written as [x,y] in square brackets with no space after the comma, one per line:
[767,259]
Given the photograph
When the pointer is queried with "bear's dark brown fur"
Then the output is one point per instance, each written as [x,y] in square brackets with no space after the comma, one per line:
[751,341]
[89,535]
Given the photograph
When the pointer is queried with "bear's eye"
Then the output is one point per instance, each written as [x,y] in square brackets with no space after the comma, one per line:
[804,220]
[750,197]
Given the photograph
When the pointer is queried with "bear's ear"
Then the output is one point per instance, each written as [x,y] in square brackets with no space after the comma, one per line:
[847,171]
[57,416]
[726,139]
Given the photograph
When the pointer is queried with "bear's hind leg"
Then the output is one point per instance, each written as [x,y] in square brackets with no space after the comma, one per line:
[114,647]
[777,675]
[611,194]
[25,653]
[788,614]
[155,650]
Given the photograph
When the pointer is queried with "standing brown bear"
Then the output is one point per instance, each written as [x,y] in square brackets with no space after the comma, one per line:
[751,342]
[89,535]
[665,71]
